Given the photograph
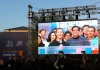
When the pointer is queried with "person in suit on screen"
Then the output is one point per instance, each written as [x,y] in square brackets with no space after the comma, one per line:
[42,33]
[40,43]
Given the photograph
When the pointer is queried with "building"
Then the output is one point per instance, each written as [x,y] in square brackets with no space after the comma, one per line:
[17,29]
[14,42]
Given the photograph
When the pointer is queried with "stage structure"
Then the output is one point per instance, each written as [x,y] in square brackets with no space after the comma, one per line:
[30,17]
[58,12]
[74,11]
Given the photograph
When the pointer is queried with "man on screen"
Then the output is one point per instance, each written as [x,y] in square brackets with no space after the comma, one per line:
[81,32]
[91,36]
[42,33]
[77,40]
[85,30]
[67,36]
[59,39]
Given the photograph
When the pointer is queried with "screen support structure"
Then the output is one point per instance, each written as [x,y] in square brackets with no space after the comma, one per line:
[30,17]
[73,11]
[79,10]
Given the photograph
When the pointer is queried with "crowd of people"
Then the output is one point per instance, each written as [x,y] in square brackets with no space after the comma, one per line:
[74,36]
[52,62]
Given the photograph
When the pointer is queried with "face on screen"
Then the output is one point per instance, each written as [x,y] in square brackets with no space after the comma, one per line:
[43,34]
[75,31]
[53,36]
[39,40]
[81,32]
[67,36]
[91,32]
[85,30]
[59,33]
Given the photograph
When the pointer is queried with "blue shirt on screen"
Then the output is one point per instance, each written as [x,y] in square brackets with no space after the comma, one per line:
[94,42]
[79,41]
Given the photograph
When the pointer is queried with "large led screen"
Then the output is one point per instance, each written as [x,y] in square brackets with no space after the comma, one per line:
[71,37]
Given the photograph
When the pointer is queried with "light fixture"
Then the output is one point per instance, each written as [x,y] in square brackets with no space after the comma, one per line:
[77,13]
[87,11]
[63,15]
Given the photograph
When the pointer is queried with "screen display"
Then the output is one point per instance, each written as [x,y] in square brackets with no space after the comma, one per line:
[71,37]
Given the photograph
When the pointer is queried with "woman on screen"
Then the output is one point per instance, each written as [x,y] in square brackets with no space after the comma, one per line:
[40,43]
[51,36]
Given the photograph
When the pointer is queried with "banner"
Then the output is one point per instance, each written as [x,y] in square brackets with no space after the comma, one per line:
[68,50]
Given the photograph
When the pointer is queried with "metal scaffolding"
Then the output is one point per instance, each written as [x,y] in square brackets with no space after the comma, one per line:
[30,17]
[73,11]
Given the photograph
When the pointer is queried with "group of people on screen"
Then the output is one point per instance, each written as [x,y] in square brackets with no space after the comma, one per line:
[74,36]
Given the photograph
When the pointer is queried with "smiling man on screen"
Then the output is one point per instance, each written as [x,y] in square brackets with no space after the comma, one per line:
[91,36]
[59,39]
[77,40]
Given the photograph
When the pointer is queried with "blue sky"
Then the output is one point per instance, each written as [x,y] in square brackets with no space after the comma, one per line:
[13,13]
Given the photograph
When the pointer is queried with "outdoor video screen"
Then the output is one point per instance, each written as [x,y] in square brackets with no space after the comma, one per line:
[71,37]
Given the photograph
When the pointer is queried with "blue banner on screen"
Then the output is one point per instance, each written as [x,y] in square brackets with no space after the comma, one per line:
[68,50]
[74,36]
